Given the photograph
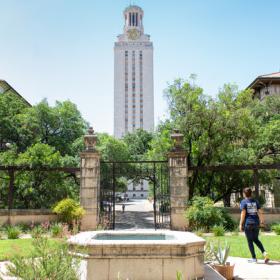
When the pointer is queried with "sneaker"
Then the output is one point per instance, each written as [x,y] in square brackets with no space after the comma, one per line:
[266,258]
[252,261]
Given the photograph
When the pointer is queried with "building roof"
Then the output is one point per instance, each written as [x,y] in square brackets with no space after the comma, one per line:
[262,79]
[133,7]
[272,75]
[5,86]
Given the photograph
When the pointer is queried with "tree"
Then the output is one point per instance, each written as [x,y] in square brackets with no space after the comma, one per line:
[11,107]
[41,135]
[222,130]
[59,126]
[40,189]
[138,143]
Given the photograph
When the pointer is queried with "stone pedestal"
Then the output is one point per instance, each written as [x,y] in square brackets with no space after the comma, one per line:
[179,190]
[89,188]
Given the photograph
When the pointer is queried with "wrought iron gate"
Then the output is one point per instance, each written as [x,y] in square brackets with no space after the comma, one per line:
[114,175]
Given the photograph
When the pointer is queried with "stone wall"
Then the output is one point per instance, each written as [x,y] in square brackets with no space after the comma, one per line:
[26,216]
[271,215]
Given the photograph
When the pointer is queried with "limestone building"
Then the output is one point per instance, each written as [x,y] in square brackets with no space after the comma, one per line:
[266,85]
[133,79]
[5,88]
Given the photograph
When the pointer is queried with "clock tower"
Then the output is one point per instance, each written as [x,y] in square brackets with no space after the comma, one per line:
[133,79]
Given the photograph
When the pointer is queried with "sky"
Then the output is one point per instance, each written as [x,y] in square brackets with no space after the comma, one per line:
[63,49]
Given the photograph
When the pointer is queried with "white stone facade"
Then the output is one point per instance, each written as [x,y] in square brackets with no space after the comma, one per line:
[133,80]
[138,191]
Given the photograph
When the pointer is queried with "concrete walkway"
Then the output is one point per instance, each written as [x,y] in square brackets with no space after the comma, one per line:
[255,271]
[138,214]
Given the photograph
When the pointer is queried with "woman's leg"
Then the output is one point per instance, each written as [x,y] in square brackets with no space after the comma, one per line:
[255,233]
[249,236]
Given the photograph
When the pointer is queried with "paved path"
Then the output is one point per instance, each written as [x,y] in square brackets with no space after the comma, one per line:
[138,214]
[259,271]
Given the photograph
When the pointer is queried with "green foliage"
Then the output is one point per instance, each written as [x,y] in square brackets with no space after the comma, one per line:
[37,232]
[276,228]
[218,230]
[202,213]
[227,221]
[199,232]
[56,230]
[69,211]
[13,232]
[138,143]
[39,189]
[221,253]
[11,109]
[233,128]
[41,135]
[46,262]
[239,247]
[261,200]
[112,149]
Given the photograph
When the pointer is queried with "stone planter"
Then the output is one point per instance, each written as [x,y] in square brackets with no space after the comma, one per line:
[225,270]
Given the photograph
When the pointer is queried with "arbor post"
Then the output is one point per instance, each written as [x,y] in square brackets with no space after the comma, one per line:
[90,182]
[179,190]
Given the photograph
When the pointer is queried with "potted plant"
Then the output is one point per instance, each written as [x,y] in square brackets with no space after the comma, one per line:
[222,266]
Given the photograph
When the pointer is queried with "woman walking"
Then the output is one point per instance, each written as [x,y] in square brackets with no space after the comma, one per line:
[251,219]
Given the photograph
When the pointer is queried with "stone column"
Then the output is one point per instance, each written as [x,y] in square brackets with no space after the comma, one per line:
[179,190]
[90,182]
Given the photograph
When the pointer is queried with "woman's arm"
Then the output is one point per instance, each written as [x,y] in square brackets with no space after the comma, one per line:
[260,213]
[242,219]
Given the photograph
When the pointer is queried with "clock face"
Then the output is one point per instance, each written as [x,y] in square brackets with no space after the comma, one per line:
[133,34]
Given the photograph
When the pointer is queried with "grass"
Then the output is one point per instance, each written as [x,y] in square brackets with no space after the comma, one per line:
[239,247]
[19,247]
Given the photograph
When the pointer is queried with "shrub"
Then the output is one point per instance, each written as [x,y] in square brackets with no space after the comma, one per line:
[202,213]
[57,230]
[24,227]
[37,232]
[218,230]
[48,261]
[69,211]
[276,228]
[227,221]
[13,232]
[45,226]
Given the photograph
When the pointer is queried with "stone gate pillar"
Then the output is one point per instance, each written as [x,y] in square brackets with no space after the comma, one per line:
[90,181]
[179,190]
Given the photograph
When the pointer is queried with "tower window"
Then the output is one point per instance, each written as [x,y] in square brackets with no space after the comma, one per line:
[133,19]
